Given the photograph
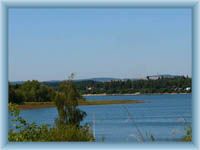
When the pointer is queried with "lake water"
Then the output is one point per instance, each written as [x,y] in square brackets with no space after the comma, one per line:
[163,116]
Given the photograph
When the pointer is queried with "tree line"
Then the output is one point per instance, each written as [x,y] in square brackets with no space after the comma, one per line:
[162,85]
[30,91]
[35,91]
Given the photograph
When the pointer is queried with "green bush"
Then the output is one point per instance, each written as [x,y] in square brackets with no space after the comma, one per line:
[35,133]
[188,134]
[26,132]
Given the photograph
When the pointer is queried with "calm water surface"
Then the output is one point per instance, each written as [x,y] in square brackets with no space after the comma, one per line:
[163,116]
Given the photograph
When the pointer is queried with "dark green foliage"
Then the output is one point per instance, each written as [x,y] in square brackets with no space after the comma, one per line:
[66,100]
[15,95]
[70,133]
[188,134]
[163,85]
[34,91]
[30,91]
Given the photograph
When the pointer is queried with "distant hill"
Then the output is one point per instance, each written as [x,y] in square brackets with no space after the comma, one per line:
[16,82]
[100,79]
[105,79]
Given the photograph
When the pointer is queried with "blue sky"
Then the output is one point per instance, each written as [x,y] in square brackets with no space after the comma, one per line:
[49,44]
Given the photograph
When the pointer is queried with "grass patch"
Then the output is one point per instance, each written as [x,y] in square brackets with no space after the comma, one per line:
[109,102]
[32,105]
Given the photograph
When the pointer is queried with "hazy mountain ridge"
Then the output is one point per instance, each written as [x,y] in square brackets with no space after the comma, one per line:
[100,79]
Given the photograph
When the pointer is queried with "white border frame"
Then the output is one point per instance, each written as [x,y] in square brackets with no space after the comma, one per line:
[5,4]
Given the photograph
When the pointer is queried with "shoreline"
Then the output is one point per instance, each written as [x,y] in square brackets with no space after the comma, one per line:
[36,105]
[132,94]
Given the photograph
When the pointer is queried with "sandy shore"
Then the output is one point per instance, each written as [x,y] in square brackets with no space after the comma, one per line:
[104,94]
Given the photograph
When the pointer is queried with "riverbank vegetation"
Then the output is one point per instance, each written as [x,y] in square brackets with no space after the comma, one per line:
[188,134]
[67,125]
[35,91]
[22,131]
[162,85]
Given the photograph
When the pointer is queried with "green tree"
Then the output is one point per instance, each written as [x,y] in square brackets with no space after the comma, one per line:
[15,95]
[30,91]
[66,100]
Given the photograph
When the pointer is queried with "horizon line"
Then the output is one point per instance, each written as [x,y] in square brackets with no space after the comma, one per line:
[119,78]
